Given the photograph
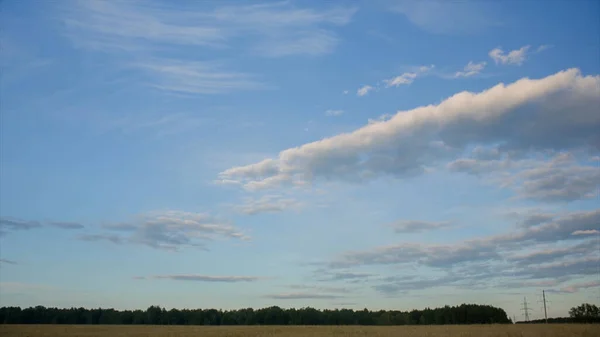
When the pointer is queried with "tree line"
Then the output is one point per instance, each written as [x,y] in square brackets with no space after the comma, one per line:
[585,313]
[462,314]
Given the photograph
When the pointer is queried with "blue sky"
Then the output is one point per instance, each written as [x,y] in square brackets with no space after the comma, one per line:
[379,154]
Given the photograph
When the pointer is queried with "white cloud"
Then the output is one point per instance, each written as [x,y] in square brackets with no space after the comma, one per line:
[334,112]
[345,92]
[408,77]
[516,57]
[543,47]
[524,116]
[471,69]
[362,91]
[402,79]
[586,232]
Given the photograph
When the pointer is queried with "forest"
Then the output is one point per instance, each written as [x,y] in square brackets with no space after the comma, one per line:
[462,314]
[584,313]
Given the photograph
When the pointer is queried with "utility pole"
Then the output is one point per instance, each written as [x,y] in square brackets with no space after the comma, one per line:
[545,312]
[525,309]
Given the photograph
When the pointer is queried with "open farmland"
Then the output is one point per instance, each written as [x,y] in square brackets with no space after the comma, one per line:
[552,330]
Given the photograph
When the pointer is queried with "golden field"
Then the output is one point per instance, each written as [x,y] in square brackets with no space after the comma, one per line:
[552,330]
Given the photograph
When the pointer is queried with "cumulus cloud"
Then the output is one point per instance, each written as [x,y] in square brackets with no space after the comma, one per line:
[415,226]
[524,117]
[364,90]
[515,57]
[471,69]
[586,232]
[169,230]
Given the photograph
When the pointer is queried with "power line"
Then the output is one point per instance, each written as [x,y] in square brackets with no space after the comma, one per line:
[544,307]
[545,312]
[525,309]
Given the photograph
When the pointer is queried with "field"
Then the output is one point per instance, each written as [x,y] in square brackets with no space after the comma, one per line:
[553,330]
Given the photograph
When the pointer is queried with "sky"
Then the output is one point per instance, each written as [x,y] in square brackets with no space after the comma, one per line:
[348,154]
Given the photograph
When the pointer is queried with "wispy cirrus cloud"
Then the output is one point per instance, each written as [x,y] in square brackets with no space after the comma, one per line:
[168,230]
[302,296]
[334,112]
[575,287]
[417,226]
[275,29]
[67,225]
[267,204]
[202,278]
[145,34]
[325,275]
[448,17]
[116,239]
[9,224]
[7,261]
[194,77]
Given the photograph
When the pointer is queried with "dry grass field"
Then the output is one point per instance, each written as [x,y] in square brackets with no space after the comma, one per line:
[553,330]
